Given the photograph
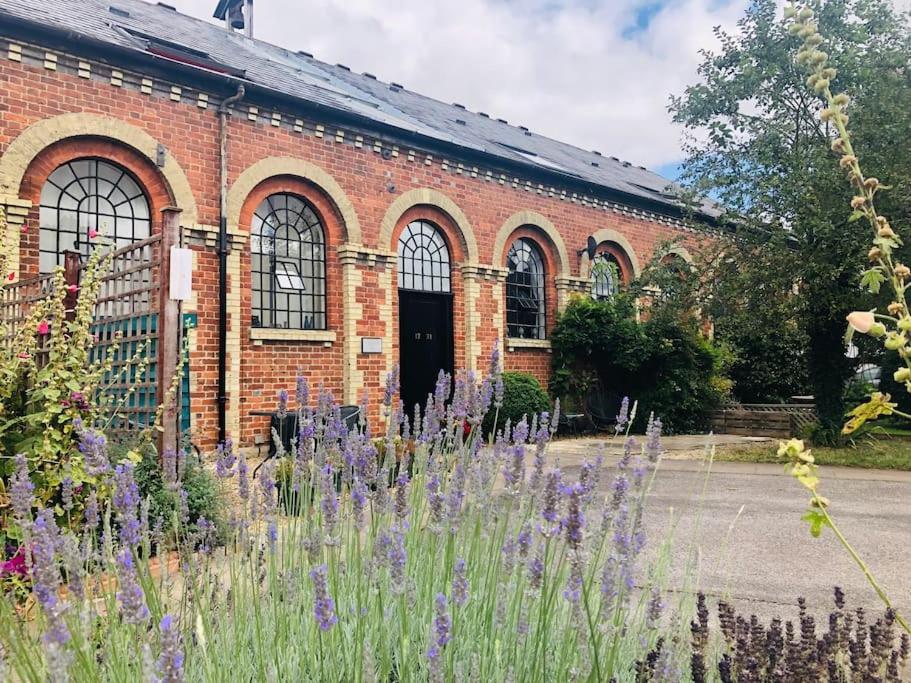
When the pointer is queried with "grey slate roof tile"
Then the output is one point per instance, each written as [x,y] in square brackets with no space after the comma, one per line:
[337,88]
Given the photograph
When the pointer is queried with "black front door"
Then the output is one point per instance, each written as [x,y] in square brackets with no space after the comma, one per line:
[425,343]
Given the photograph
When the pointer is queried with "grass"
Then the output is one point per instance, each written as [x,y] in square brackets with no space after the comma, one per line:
[868,451]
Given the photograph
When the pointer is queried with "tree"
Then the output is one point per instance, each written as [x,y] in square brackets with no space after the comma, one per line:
[756,143]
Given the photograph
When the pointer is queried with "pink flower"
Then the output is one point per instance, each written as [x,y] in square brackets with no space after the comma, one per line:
[24,356]
[72,289]
[14,565]
[11,277]
[861,321]
[93,233]
[24,228]
[44,327]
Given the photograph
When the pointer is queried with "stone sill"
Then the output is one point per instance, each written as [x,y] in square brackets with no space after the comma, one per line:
[261,334]
[513,343]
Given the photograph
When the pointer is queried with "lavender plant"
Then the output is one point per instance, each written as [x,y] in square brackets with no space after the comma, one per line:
[451,559]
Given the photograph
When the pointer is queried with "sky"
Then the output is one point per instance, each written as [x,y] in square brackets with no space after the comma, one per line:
[594,73]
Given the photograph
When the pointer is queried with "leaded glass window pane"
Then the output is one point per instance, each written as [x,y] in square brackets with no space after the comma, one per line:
[84,195]
[525,283]
[288,264]
[423,258]
[605,276]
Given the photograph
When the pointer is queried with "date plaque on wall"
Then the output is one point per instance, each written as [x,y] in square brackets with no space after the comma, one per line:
[371,345]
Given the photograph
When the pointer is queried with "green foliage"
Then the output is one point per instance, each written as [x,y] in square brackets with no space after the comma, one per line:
[664,363]
[759,146]
[203,497]
[523,396]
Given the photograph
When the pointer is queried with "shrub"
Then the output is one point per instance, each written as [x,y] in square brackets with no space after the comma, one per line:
[523,396]
[201,488]
[664,363]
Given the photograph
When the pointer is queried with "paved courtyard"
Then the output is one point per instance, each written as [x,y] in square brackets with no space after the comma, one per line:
[763,556]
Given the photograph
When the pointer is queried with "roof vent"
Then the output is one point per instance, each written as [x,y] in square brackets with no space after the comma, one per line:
[626,164]
[461,122]
[596,164]
[119,12]
[614,159]
[370,76]
[396,86]
[166,6]
[342,66]
[596,152]
[457,105]
[486,116]
[503,121]
[642,167]
[305,54]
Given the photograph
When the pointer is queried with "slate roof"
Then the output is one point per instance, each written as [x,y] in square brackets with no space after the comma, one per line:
[135,25]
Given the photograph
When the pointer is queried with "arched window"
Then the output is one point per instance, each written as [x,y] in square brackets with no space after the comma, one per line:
[423,258]
[606,276]
[288,247]
[525,305]
[84,195]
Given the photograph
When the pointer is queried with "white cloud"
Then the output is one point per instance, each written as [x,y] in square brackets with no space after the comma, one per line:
[561,67]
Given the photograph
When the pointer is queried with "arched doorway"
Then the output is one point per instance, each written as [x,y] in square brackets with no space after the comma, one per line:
[425,310]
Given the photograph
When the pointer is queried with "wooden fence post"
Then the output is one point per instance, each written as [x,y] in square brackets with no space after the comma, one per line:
[72,264]
[168,330]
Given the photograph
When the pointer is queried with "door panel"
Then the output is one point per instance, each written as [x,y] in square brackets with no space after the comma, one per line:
[425,343]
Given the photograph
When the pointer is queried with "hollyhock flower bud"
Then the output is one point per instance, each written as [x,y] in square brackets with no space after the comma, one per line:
[858,202]
[871,183]
[895,308]
[902,375]
[895,341]
[874,254]
[904,323]
[885,231]
[847,160]
[861,321]
[902,271]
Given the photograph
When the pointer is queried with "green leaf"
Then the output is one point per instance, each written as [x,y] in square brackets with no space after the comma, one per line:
[855,215]
[817,520]
[872,280]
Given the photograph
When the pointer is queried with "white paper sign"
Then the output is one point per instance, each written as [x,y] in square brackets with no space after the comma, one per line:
[181,274]
[371,345]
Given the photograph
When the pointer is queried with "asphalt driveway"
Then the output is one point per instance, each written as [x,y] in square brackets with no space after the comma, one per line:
[744,521]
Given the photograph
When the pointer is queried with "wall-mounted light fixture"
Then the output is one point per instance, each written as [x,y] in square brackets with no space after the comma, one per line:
[590,248]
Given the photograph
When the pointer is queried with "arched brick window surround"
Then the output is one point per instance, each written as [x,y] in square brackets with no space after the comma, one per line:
[325,211]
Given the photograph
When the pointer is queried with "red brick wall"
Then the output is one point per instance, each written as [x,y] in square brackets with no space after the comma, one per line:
[190,133]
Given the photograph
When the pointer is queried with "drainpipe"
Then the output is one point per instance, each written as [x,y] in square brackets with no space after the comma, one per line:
[223,112]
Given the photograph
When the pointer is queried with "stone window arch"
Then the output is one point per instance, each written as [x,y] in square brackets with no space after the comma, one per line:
[526,305]
[86,195]
[610,270]
[288,269]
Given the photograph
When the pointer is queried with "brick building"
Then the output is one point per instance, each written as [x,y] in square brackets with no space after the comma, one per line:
[341,225]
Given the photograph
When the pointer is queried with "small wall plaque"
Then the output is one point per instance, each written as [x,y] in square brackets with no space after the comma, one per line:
[371,345]
[181,274]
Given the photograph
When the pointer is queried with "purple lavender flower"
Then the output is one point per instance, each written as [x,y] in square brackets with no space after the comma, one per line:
[573,525]
[653,448]
[170,663]
[400,509]
[243,484]
[46,583]
[653,609]
[125,501]
[91,512]
[455,496]
[524,540]
[66,493]
[323,604]
[225,459]
[435,499]
[21,491]
[94,448]
[391,388]
[536,570]
[302,392]
[329,502]
[282,404]
[397,558]
[132,600]
[460,586]
[442,633]
[358,502]
[622,416]
[549,511]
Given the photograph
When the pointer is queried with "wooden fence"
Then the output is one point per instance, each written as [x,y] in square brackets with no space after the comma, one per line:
[135,323]
[764,419]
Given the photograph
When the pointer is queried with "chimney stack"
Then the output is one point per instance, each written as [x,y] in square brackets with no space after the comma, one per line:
[237,15]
